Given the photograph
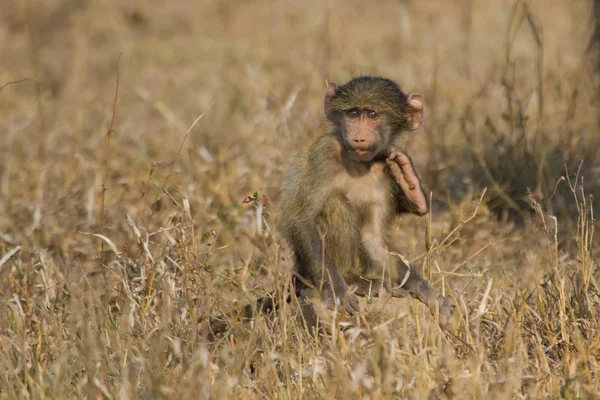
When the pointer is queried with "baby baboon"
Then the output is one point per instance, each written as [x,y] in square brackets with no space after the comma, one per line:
[340,197]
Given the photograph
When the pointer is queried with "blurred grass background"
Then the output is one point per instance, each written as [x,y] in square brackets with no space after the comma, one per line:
[119,239]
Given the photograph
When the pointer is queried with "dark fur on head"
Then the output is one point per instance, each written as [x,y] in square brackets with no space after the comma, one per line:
[381,94]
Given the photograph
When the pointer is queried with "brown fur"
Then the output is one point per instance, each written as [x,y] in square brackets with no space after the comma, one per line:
[338,205]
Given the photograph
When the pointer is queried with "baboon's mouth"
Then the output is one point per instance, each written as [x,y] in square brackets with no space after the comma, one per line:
[362,154]
[362,150]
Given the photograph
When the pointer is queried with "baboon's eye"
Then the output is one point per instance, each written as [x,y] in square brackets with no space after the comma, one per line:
[352,113]
[372,114]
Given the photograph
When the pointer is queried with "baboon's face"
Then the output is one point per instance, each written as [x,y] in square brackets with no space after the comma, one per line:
[365,132]
[368,111]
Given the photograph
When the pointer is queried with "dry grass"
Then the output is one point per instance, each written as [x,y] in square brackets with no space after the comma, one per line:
[118,239]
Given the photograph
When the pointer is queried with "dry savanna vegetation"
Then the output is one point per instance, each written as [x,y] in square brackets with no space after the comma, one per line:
[132,131]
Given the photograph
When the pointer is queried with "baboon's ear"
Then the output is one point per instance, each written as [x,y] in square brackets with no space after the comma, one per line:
[332,87]
[414,111]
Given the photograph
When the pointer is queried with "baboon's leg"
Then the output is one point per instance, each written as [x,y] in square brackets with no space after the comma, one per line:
[369,287]
[401,280]
[341,236]
[337,221]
